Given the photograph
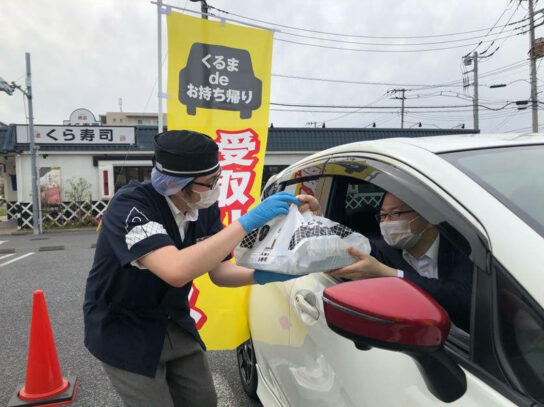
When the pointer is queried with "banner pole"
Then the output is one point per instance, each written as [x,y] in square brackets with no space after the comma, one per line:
[159,62]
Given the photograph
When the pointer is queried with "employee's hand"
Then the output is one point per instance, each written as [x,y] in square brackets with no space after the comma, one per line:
[262,277]
[274,205]
[309,202]
[366,266]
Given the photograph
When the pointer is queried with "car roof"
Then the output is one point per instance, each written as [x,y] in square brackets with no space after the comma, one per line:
[442,144]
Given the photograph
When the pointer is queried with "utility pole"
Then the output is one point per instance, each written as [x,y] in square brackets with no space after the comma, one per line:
[159,63]
[402,98]
[402,110]
[36,218]
[475,100]
[204,9]
[468,60]
[532,58]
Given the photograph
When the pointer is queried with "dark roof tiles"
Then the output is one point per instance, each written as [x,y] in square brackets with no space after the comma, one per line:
[279,138]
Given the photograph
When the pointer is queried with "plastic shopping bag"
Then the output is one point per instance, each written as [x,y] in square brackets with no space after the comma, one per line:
[299,244]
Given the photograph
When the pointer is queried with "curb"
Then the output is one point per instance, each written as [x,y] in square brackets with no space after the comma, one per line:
[51,231]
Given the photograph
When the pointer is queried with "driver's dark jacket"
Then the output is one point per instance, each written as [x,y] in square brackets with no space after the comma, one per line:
[127,309]
[453,287]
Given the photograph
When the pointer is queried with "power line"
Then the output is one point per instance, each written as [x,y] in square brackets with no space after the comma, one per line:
[491,29]
[410,43]
[355,35]
[507,119]
[351,82]
[330,111]
[456,83]
[385,50]
[438,117]
[355,111]
[452,94]
[523,129]
[499,33]
[393,110]
[383,107]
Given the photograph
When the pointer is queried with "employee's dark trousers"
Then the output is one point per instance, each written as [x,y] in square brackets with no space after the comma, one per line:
[183,377]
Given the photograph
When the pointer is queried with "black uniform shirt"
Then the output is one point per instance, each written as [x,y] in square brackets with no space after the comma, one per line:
[127,309]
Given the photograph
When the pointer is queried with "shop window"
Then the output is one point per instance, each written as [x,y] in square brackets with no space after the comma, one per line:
[124,174]
[106,183]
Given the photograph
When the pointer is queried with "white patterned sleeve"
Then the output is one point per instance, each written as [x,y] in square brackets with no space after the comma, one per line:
[134,227]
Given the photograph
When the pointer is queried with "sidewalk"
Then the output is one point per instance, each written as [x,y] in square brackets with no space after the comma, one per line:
[7,227]
[10,228]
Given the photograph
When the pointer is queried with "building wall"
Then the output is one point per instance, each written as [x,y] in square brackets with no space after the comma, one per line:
[130,119]
[71,166]
[284,157]
[81,165]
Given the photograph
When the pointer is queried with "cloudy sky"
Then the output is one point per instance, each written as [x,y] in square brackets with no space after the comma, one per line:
[91,53]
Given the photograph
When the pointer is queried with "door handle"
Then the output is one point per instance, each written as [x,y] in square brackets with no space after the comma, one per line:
[303,303]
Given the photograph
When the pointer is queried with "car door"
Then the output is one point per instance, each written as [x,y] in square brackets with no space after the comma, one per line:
[269,316]
[326,369]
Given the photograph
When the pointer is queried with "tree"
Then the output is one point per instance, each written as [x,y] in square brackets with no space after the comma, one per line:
[78,193]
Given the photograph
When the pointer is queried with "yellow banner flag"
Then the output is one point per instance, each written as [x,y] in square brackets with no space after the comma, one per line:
[219,85]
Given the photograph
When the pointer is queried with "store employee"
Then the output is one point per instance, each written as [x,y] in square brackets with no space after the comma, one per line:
[155,239]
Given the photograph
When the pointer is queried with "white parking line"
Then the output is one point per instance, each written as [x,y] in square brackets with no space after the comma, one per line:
[3,241]
[6,255]
[17,258]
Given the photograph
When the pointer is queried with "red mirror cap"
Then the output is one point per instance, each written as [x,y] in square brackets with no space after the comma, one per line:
[388,309]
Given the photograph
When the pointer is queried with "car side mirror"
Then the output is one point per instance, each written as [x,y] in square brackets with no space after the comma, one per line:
[394,314]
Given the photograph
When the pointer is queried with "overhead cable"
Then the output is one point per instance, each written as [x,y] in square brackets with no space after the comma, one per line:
[307,78]
[410,43]
[484,52]
[492,27]
[383,50]
[456,83]
[357,35]
[384,107]
[355,111]
[393,110]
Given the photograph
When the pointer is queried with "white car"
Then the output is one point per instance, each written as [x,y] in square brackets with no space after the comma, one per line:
[318,341]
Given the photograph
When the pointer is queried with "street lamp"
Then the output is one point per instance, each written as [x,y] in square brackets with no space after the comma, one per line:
[9,89]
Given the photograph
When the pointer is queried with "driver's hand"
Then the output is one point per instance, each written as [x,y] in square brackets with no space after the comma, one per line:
[309,202]
[366,266]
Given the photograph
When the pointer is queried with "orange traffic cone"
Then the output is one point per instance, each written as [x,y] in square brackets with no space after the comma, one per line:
[44,385]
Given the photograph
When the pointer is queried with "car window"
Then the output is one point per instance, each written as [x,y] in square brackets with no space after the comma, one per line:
[356,195]
[315,186]
[361,202]
[514,175]
[521,332]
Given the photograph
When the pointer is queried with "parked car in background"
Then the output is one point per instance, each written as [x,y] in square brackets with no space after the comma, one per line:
[318,341]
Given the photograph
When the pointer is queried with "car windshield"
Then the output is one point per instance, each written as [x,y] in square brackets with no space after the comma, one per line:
[514,175]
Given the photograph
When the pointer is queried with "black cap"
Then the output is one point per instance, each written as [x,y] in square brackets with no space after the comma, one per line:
[185,153]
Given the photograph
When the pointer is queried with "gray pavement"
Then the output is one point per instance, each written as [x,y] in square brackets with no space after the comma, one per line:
[61,275]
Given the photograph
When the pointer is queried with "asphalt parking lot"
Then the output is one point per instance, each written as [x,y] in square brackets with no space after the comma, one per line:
[58,263]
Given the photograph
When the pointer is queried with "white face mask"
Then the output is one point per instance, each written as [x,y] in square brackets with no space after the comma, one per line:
[207,199]
[398,234]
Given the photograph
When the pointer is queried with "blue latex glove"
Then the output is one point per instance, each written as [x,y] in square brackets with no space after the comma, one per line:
[262,277]
[274,205]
